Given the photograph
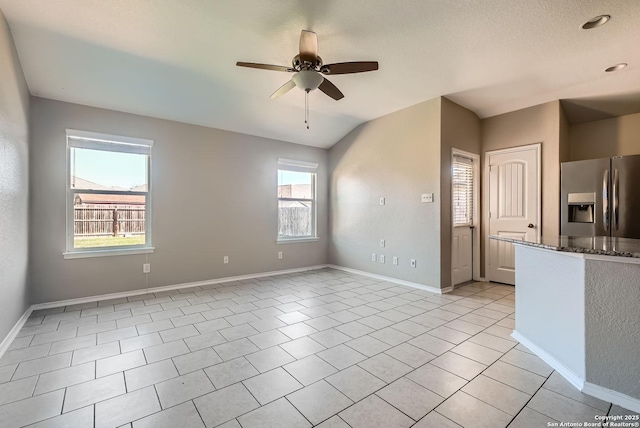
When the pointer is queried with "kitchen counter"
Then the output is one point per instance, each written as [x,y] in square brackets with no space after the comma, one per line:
[597,245]
[578,308]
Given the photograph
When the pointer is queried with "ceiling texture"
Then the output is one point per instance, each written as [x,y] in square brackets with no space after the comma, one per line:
[175,59]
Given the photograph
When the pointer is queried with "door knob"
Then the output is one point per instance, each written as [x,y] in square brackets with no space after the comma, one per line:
[530,226]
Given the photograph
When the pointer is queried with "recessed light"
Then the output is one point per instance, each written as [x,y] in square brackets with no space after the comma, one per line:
[616,67]
[596,22]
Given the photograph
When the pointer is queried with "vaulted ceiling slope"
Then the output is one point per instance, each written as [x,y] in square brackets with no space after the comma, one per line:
[176,59]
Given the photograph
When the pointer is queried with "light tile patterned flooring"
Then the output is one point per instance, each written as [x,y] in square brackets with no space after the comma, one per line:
[320,347]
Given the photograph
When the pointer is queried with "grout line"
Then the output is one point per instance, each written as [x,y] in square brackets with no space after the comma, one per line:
[522,368]
[401,411]
[197,410]
[64,398]
[452,421]
[298,410]
[529,400]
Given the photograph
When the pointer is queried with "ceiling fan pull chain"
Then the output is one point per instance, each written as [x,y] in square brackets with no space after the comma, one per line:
[306,108]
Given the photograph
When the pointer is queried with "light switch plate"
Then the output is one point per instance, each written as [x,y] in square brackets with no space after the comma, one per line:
[382,201]
[427,197]
[382,242]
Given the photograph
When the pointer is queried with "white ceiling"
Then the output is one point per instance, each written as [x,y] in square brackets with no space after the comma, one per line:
[176,59]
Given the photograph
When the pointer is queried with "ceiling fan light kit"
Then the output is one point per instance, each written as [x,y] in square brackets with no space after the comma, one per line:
[309,71]
[307,80]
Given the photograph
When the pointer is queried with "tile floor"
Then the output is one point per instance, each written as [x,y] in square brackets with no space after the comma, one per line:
[323,348]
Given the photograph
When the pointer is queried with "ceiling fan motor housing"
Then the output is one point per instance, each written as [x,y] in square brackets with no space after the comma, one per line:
[298,64]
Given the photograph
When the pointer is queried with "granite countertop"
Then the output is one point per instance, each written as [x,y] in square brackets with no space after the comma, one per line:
[600,245]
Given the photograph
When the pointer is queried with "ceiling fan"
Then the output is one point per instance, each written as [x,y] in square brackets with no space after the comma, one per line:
[310,71]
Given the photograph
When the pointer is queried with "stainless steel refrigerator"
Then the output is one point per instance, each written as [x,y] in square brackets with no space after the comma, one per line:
[601,197]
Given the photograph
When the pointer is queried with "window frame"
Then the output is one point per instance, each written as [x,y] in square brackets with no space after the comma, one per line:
[146,248]
[303,167]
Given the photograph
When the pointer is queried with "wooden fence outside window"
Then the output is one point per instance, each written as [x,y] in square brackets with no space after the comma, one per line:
[130,220]
[294,221]
[108,221]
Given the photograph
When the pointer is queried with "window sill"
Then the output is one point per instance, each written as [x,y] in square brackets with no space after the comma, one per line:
[105,253]
[296,240]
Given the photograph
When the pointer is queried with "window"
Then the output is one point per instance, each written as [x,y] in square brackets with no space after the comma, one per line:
[108,195]
[296,200]
[462,191]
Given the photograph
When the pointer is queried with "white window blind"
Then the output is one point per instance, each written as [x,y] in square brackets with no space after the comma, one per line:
[462,191]
[109,143]
[296,165]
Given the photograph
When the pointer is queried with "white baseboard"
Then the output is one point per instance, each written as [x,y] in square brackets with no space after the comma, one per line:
[6,342]
[170,287]
[605,394]
[563,370]
[394,280]
[612,396]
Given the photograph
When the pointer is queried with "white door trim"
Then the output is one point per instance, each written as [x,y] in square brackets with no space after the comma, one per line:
[486,190]
[475,232]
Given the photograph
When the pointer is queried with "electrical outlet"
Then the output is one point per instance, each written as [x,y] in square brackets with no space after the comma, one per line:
[426,197]
[225,260]
[382,242]
[280,254]
[381,201]
[381,258]
[395,261]
[413,263]
[373,257]
[146,267]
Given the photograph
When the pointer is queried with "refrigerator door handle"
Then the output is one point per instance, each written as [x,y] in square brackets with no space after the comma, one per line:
[605,200]
[616,198]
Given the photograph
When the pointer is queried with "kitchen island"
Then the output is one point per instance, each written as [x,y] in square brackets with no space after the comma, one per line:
[578,308]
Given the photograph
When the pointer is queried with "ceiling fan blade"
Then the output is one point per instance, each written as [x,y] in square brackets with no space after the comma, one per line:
[349,67]
[265,66]
[308,46]
[331,90]
[283,89]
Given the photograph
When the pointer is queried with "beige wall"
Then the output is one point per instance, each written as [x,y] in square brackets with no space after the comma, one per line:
[396,157]
[460,129]
[14,184]
[565,137]
[538,124]
[618,136]
[213,194]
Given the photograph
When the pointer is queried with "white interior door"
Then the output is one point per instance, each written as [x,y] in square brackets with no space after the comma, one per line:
[461,255]
[514,206]
[463,200]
